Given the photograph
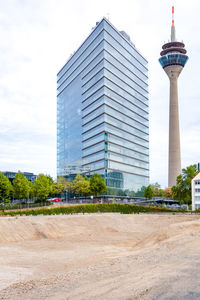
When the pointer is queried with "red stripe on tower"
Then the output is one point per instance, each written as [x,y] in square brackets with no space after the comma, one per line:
[172,15]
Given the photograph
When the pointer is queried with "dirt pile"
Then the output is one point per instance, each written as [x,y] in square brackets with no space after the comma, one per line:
[100,256]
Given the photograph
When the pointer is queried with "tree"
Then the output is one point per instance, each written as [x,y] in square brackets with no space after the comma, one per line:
[21,186]
[67,185]
[182,189]
[43,187]
[158,192]
[149,192]
[81,185]
[97,185]
[168,192]
[5,188]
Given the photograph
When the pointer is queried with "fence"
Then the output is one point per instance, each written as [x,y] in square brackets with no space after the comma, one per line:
[21,206]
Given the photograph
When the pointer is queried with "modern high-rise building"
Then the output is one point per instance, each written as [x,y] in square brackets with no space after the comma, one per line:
[102,111]
[173,60]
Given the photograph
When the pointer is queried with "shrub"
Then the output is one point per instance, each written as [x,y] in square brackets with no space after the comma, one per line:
[90,208]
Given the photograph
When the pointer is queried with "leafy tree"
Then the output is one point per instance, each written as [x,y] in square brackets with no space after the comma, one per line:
[158,192]
[149,192]
[5,188]
[97,185]
[21,186]
[43,186]
[81,185]
[67,185]
[58,188]
[168,192]
[182,189]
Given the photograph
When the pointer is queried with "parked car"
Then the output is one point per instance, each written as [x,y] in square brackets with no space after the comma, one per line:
[55,199]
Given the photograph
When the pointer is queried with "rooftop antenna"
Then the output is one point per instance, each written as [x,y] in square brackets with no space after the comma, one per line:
[173,33]
[108,16]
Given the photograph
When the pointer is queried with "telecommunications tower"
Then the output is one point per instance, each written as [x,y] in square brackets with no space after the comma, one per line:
[173,59]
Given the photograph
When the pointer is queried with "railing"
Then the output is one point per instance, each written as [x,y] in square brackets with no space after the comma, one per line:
[15,206]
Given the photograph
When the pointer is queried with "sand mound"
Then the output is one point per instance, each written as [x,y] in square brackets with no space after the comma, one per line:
[100,256]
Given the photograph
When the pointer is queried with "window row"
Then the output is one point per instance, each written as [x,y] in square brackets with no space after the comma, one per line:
[118,119]
[79,67]
[120,57]
[80,50]
[126,54]
[123,93]
[123,76]
[132,75]
[125,43]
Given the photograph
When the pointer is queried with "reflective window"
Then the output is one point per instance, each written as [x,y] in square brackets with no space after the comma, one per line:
[94,157]
[125,53]
[80,50]
[93,80]
[86,111]
[93,123]
[127,168]
[112,61]
[125,44]
[92,98]
[126,80]
[94,88]
[93,140]
[121,180]
[98,67]
[129,88]
[130,118]
[120,133]
[124,61]
[129,102]
[127,160]
[127,143]
[123,93]
[92,115]
[96,165]
[69,126]
[93,149]
[70,76]
[127,111]
[88,134]
[173,59]
[128,152]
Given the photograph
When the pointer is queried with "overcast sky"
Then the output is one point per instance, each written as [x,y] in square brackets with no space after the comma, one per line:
[38,36]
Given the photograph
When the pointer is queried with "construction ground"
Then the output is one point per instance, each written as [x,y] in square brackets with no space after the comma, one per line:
[100,256]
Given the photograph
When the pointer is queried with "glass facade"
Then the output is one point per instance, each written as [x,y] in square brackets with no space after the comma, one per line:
[102,111]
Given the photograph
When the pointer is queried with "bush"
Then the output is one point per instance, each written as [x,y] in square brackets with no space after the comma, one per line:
[90,208]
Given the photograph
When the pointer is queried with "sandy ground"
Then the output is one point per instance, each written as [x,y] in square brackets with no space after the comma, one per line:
[100,256]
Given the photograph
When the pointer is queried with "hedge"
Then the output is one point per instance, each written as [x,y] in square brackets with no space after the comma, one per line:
[90,208]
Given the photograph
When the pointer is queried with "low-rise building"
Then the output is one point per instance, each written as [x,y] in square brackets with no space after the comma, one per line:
[196,191]
[11,175]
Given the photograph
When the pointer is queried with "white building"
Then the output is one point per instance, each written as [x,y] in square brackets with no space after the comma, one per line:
[196,191]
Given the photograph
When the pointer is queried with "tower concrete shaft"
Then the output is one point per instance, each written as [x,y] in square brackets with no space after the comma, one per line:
[174,163]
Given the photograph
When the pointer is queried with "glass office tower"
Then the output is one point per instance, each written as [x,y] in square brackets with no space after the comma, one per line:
[102,111]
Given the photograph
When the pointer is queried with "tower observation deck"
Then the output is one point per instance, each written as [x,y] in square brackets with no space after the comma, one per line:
[173,59]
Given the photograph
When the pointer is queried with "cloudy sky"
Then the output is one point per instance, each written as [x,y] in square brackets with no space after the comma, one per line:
[38,36]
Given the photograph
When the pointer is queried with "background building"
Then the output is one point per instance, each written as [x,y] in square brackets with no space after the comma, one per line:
[196,191]
[102,111]
[11,175]
[173,60]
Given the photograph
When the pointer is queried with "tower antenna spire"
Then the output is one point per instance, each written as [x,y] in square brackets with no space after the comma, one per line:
[173,33]
[172,15]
